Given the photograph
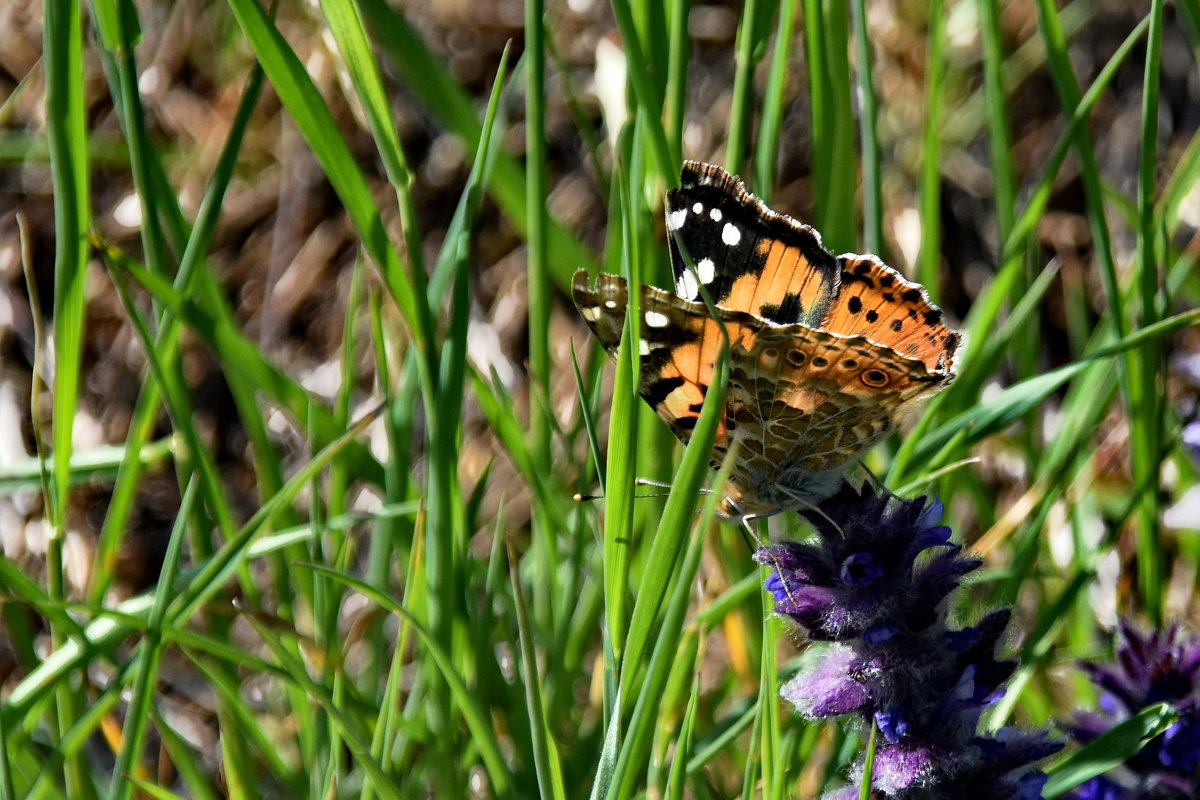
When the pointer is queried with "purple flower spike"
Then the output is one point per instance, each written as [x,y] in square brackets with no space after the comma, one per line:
[961,641]
[892,724]
[880,633]
[1191,438]
[870,592]
[827,689]
[1156,667]
[859,569]
[1098,788]
[1181,745]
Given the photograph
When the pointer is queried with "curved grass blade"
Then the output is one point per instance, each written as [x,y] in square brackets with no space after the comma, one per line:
[1110,750]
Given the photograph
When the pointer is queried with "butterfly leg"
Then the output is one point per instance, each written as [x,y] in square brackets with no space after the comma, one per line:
[748,529]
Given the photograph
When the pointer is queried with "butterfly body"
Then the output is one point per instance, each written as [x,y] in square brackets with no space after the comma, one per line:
[824,352]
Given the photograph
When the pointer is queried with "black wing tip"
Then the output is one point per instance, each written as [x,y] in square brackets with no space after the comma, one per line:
[701,173]
[700,176]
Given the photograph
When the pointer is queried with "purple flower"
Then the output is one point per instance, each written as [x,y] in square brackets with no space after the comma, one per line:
[862,571]
[1191,438]
[1158,667]
[1098,788]
[870,590]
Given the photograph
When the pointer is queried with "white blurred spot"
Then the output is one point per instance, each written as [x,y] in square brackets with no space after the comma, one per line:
[150,81]
[128,212]
[611,85]
[908,234]
[1184,513]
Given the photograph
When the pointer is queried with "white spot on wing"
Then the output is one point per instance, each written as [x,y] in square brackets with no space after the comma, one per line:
[656,319]
[610,303]
[707,270]
[643,347]
[686,285]
[591,313]
[676,218]
[730,234]
[715,214]
[698,208]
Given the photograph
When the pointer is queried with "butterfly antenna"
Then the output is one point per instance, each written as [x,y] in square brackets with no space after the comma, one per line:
[579,497]
[661,485]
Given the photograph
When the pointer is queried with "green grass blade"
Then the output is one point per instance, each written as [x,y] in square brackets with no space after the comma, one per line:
[774,97]
[538,289]
[930,259]
[308,110]
[741,112]
[119,55]
[67,136]
[835,175]
[1110,750]
[150,656]
[676,781]
[545,752]
[672,604]
[647,96]
[619,491]
[997,113]
[1147,362]
[450,104]
[868,133]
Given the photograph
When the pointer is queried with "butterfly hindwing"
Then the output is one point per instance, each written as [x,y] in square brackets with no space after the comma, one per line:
[678,345]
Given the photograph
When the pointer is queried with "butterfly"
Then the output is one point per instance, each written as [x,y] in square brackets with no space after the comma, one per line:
[825,351]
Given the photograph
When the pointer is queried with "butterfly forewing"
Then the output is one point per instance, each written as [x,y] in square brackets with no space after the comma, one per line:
[877,302]
[748,257]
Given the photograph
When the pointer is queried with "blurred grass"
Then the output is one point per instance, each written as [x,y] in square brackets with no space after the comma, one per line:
[406,603]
